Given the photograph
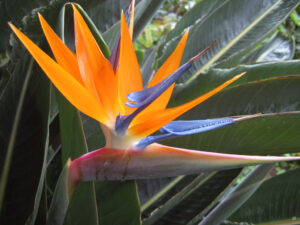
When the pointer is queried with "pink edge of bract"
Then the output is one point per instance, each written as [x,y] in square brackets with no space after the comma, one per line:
[158,161]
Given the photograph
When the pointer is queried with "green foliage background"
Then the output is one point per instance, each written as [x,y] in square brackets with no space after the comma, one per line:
[260,37]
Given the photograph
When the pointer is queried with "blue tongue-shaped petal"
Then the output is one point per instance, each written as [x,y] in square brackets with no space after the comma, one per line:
[185,127]
[142,99]
[148,95]
[140,96]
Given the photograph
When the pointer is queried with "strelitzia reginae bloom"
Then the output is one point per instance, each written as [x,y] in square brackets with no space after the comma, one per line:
[111,92]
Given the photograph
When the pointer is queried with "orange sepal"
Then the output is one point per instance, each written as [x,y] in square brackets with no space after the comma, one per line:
[97,72]
[63,55]
[63,81]
[129,75]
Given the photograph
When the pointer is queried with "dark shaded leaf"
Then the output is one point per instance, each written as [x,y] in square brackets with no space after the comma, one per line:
[118,203]
[60,200]
[216,76]
[238,25]
[26,89]
[189,197]
[238,196]
[269,135]
[276,49]
[145,10]
[147,188]
[275,202]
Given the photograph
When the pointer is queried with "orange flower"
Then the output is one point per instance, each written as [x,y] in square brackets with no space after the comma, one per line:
[111,92]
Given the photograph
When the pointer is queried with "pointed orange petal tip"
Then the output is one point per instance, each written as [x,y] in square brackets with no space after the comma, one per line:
[12,26]
[42,19]
[187,32]
[75,10]
[64,82]
[122,15]
[40,16]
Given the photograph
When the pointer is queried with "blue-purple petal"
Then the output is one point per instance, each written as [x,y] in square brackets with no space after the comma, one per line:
[187,127]
[148,95]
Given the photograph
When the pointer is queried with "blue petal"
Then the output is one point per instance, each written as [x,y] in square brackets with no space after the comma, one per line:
[148,95]
[185,127]
[144,98]
[151,139]
[182,127]
[140,95]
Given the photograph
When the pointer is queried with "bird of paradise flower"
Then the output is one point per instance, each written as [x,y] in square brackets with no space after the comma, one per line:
[111,92]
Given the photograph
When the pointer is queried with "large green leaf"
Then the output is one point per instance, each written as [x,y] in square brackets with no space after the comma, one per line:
[9,12]
[14,128]
[60,199]
[273,95]
[118,203]
[94,136]
[44,96]
[152,189]
[188,197]
[145,10]
[238,196]
[83,206]
[277,48]
[275,202]
[259,91]
[186,186]
[216,76]
[23,139]
[237,25]
[25,14]
[73,145]
[105,13]
[268,135]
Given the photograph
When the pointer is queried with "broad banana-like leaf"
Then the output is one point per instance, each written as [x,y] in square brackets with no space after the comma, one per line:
[236,25]
[277,48]
[19,148]
[191,198]
[266,135]
[238,196]
[73,145]
[275,202]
